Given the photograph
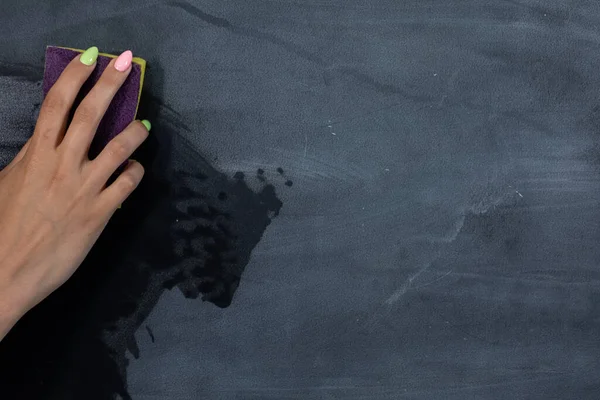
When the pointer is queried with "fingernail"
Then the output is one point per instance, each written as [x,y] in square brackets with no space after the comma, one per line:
[89,56]
[147,124]
[123,61]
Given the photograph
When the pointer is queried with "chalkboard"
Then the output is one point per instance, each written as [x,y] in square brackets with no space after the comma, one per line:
[344,199]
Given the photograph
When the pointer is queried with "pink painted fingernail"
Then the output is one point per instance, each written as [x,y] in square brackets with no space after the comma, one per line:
[123,61]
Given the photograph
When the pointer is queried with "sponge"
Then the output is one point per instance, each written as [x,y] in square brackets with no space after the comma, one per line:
[122,110]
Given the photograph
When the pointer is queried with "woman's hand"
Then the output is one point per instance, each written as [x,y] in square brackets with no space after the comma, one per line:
[54,201]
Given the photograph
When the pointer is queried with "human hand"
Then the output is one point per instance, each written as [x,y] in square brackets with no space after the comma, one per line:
[54,200]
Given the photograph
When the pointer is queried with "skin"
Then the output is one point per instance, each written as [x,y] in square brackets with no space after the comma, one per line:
[54,200]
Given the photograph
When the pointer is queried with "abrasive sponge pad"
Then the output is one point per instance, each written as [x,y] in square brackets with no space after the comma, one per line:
[122,110]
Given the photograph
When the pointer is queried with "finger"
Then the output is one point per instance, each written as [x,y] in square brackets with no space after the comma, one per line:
[55,109]
[92,108]
[116,152]
[114,195]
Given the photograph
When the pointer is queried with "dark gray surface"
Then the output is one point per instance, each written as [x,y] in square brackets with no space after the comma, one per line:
[441,238]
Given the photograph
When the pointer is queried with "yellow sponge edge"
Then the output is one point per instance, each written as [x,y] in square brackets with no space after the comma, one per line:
[140,61]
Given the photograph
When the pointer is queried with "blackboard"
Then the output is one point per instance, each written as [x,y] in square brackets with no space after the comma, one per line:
[345,199]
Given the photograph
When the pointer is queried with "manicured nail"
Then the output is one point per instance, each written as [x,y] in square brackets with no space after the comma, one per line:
[124,61]
[147,124]
[89,56]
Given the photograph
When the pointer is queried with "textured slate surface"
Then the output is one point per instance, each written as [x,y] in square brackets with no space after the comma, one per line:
[440,239]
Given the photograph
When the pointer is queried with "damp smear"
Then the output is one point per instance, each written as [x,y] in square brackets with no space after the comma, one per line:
[187,227]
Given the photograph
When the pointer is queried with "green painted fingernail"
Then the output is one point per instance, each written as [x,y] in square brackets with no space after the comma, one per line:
[89,56]
[147,124]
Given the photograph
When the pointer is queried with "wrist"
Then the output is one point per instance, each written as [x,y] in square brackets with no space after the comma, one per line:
[11,306]
[10,313]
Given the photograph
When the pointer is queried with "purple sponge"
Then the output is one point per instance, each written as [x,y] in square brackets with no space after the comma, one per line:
[122,109]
